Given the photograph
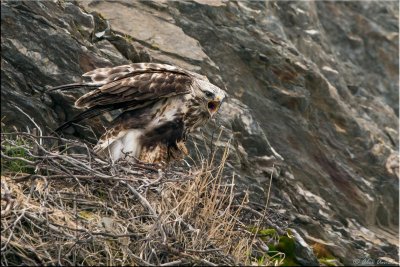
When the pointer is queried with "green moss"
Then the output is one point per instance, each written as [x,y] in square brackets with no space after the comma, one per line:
[330,261]
[289,262]
[128,38]
[268,232]
[16,165]
[278,245]
[285,245]
[87,215]
[262,261]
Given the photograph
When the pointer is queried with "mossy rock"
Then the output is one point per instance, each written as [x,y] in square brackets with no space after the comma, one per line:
[286,245]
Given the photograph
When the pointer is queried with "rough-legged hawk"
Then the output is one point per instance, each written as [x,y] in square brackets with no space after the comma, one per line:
[161,105]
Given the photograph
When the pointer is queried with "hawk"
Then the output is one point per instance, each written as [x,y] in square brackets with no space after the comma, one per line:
[161,104]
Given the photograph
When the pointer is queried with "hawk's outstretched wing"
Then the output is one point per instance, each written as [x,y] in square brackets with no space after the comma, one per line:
[128,87]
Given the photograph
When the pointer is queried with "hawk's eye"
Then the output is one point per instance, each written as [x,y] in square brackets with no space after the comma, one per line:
[209,94]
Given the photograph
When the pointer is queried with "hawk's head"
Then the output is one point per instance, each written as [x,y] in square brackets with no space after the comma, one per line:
[212,95]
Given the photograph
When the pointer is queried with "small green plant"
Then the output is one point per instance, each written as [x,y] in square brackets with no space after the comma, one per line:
[128,38]
[281,247]
[286,245]
[16,158]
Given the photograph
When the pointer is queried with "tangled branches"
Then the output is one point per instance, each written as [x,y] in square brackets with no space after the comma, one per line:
[64,205]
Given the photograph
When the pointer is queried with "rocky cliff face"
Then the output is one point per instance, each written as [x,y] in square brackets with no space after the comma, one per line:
[313,96]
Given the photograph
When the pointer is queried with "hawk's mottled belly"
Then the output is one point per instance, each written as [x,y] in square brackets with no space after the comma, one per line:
[165,140]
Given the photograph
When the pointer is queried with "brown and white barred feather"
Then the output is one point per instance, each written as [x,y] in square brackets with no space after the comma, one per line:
[161,105]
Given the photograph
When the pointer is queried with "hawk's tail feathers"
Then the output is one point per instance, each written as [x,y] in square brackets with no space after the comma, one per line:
[90,113]
[71,86]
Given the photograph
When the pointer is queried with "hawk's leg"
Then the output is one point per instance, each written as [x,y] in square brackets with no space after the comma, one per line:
[154,154]
[182,147]
[178,152]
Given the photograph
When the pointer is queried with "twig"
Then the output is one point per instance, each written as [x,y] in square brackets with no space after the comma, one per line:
[31,119]
[141,261]
[18,158]
[172,263]
[6,195]
[12,229]
[142,200]
[147,205]
[41,137]
[144,167]
[203,251]
[96,233]
[62,176]
[193,257]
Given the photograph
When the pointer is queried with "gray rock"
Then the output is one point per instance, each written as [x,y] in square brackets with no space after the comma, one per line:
[303,252]
[313,95]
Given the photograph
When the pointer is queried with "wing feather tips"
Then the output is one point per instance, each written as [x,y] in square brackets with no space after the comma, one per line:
[126,85]
[84,101]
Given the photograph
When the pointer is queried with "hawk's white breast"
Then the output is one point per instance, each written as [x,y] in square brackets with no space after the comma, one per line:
[127,142]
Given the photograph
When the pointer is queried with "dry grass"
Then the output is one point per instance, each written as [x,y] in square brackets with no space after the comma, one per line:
[79,209]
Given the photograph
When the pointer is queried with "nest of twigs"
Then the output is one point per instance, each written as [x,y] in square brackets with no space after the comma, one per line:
[63,207]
